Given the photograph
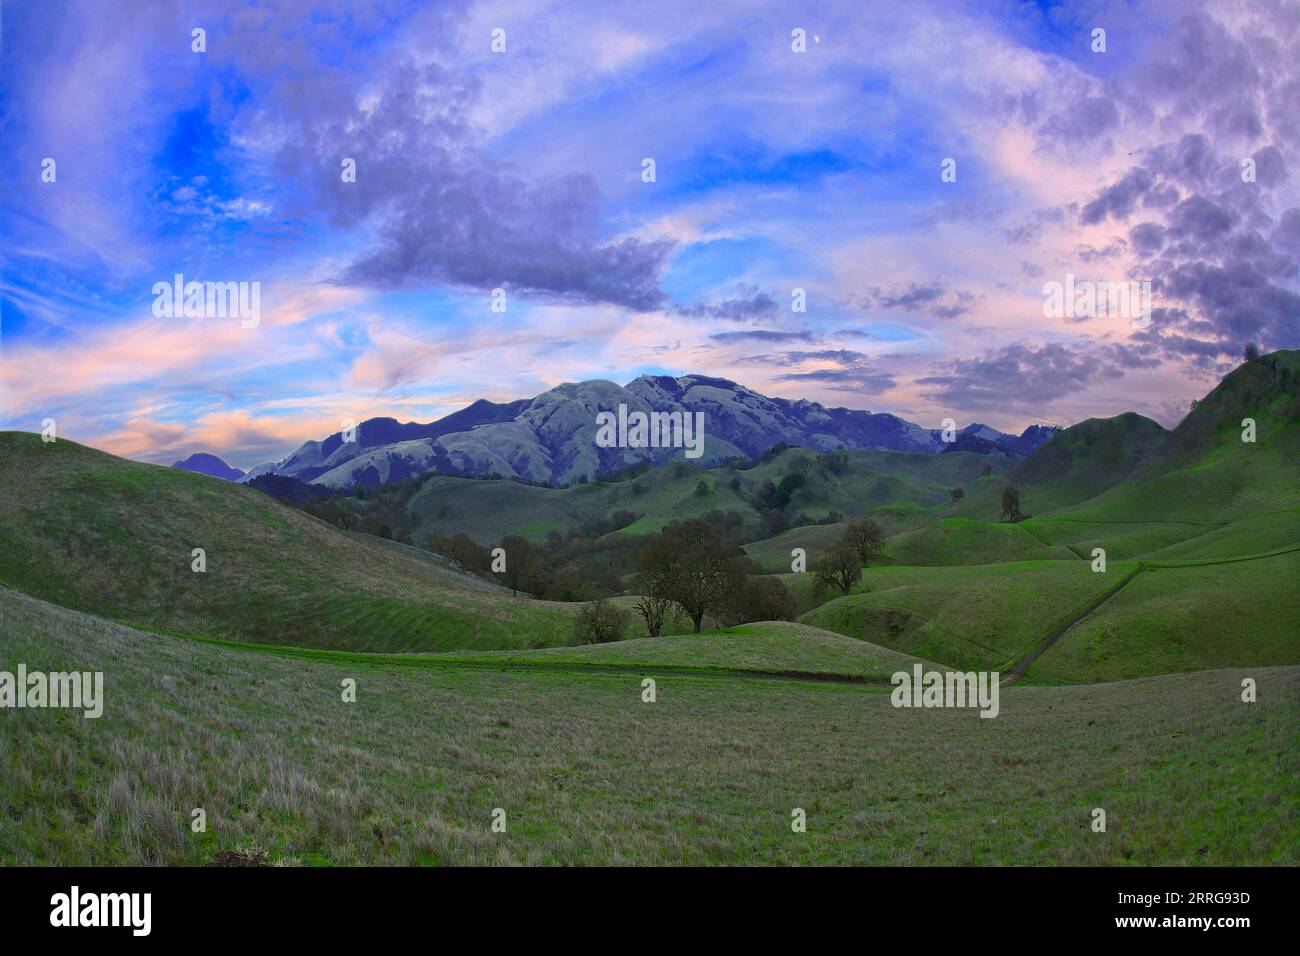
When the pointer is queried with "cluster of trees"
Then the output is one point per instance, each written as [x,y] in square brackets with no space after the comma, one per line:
[573,569]
[688,566]
[381,512]
[842,563]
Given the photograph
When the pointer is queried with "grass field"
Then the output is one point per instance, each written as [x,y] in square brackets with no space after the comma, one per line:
[588,774]
[100,533]
[225,694]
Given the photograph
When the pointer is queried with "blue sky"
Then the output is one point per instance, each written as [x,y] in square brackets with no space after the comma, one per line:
[776,170]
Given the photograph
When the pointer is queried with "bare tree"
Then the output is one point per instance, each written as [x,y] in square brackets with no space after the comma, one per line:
[653,608]
[865,538]
[838,567]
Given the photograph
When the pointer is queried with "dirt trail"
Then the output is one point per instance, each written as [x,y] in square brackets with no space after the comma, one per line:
[1022,665]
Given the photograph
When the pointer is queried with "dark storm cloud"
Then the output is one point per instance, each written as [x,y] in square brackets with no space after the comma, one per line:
[1222,261]
[1091,254]
[1147,238]
[1119,199]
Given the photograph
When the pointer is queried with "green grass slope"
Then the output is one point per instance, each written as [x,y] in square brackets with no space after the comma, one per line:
[768,647]
[1077,464]
[962,541]
[588,774]
[1239,613]
[983,617]
[91,531]
[1124,485]
[489,510]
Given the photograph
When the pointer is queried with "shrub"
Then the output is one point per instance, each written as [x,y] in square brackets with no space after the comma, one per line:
[600,622]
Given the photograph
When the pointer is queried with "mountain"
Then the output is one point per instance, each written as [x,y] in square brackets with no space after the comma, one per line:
[552,438]
[989,441]
[205,464]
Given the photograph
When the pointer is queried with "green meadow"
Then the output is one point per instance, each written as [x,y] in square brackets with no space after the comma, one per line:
[587,773]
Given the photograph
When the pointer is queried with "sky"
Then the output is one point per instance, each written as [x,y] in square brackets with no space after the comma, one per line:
[917,174]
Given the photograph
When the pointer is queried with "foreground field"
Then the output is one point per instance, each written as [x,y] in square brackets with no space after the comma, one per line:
[587,773]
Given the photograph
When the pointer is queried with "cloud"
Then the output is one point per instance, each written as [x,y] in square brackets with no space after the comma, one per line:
[932,298]
[443,212]
[1214,232]
[842,357]
[857,377]
[1026,377]
[754,305]
[764,335]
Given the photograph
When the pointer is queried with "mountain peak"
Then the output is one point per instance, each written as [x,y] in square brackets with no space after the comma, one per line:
[204,464]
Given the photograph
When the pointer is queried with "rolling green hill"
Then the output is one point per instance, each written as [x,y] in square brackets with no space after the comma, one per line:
[588,774]
[769,647]
[849,482]
[1077,464]
[1126,485]
[95,532]
[983,617]
[1184,619]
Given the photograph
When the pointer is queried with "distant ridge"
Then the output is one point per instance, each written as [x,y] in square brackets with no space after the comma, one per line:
[551,438]
[205,464]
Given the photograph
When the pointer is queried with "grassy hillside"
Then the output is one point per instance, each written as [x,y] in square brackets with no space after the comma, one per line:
[1078,463]
[588,774]
[769,647]
[91,531]
[1127,469]
[849,482]
[963,541]
[875,479]
[773,554]
[985,617]
[922,538]
[1270,531]
[1185,619]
